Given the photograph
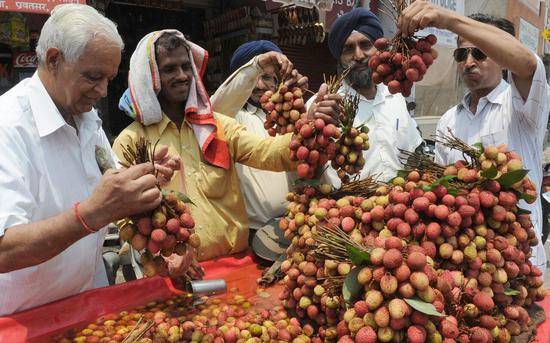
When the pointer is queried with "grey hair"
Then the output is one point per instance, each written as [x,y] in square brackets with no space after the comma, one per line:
[71,27]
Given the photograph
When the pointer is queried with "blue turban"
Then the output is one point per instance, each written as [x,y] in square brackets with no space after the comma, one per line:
[359,19]
[249,50]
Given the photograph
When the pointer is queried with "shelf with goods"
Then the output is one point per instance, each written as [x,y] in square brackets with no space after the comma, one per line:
[226,33]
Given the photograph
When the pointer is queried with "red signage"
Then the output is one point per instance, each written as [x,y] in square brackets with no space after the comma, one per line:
[34,6]
[339,8]
[25,60]
[271,5]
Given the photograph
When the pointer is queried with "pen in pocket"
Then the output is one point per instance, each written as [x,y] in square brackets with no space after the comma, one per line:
[397,124]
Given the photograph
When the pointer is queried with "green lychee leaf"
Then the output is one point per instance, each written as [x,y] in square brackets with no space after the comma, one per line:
[351,287]
[179,195]
[357,256]
[452,191]
[479,146]
[490,173]
[307,182]
[510,178]
[527,197]
[424,307]
[403,173]
[510,291]
[523,211]
[427,188]
[442,181]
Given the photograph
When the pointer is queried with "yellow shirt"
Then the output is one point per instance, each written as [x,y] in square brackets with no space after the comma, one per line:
[220,215]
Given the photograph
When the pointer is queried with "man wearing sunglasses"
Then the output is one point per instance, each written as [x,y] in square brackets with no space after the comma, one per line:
[493,111]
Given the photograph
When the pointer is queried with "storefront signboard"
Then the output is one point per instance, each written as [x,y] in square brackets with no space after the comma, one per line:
[34,6]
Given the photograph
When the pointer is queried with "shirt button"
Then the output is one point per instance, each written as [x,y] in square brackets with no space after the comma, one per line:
[188,173]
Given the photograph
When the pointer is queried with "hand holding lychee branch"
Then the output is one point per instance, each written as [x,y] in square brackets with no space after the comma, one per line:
[168,229]
[349,160]
[404,59]
[273,62]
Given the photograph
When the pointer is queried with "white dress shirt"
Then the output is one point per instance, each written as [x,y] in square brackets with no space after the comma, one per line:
[45,167]
[390,127]
[502,117]
[264,191]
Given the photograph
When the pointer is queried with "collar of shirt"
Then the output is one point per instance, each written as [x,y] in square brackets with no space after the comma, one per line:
[380,97]
[255,111]
[165,122]
[46,115]
[496,96]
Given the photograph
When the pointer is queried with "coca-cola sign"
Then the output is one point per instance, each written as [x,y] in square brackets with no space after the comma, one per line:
[25,60]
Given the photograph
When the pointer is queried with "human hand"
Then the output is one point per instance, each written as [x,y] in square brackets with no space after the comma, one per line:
[120,194]
[421,14]
[297,80]
[165,164]
[326,106]
[273,62]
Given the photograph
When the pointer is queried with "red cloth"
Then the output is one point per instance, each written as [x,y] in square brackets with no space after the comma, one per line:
[543,330]
[239,271]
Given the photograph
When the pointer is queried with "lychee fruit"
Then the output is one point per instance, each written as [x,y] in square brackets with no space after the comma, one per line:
[392,258]
[416,334]
[158,235]
[361,308]
[374,299]
[483,301]
[173,225]
[416,261]
[388,284]
[419,280]
[382,317]
[398,308]
[366,335]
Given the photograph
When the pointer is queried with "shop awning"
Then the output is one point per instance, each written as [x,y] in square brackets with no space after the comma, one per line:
[34,6]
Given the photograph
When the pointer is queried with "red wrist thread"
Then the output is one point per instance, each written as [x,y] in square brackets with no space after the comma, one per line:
[81,220]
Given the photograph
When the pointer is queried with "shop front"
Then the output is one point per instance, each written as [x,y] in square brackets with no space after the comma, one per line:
[20,25]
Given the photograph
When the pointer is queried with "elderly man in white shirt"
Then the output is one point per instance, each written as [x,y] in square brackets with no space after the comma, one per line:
[390,125]
[493,111]
[54,201]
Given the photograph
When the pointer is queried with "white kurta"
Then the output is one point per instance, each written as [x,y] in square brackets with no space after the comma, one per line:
[45,167]
[264,191]
[502,117]
[390,127]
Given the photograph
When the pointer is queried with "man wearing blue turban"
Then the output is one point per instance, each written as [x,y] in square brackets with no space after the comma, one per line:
[264,191]
[351,42]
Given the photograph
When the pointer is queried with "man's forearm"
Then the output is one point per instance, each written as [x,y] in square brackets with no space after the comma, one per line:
[232,95]
[504,49]
[28,245]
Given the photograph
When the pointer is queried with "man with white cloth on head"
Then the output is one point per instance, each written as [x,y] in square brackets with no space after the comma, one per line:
[167,99]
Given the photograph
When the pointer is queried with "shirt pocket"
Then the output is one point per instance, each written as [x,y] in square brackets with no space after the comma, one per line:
[213,180]
[496,136]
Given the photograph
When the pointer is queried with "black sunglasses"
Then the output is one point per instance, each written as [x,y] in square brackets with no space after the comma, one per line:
[461,54]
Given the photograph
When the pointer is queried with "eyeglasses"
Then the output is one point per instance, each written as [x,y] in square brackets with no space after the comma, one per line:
[461,54]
